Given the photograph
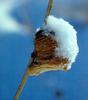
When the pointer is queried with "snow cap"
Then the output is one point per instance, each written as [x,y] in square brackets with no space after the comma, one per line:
[66,37]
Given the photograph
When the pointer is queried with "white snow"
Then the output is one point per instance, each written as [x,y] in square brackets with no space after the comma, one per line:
[66,36]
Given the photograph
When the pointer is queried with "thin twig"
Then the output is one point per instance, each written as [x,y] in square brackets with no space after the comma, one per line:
[48,9]
[27,70]
[21,85]
[25,77]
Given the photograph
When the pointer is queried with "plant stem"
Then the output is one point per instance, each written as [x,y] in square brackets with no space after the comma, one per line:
[21,85]
[48,9]
[24,79]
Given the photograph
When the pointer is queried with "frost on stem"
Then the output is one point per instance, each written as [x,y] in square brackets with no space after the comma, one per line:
[55,45]
[55,48]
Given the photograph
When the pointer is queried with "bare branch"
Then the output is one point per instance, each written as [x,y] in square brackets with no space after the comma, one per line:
[49,9]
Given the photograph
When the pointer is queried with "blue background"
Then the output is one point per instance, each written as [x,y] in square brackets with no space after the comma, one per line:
[15,53]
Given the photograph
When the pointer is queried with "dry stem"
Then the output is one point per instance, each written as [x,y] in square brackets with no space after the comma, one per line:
[21,85]
[27,70]
[25,77]
[48,9]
